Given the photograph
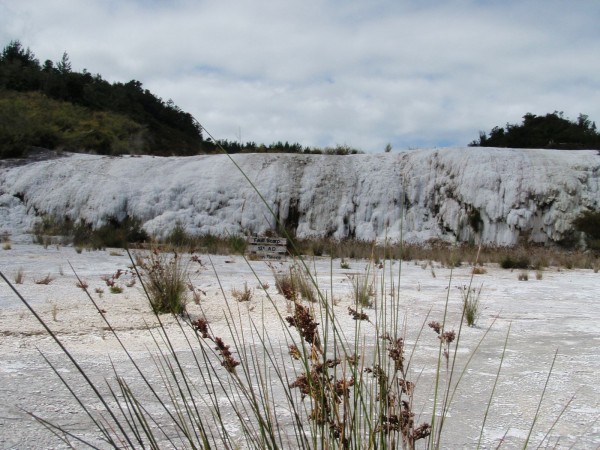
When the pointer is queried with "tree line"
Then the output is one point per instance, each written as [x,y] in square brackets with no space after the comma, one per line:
[550,131]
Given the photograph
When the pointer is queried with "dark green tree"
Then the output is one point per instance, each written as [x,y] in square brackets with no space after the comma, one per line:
[549,131]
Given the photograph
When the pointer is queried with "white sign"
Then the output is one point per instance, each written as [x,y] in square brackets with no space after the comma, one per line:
[268,248]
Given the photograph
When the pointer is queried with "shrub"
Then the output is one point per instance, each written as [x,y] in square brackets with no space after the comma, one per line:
[589,223]
[179,236]
[165,282]
[508,262]
[113,233]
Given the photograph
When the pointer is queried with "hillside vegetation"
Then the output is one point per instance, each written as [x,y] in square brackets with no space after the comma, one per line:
[52,106]
[49,105]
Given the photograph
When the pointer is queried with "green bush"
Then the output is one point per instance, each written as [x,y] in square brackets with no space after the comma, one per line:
[114,233]
[589,223]
[237,244]
[520,262]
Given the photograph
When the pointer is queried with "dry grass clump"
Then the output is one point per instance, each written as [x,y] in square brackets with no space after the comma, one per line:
[45,280]
[20,276]
[243,295]
[82,284]
[295,284]
[523,276]
[539,274]
[363,290]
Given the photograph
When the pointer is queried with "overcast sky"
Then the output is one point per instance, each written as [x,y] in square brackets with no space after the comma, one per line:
[363,73]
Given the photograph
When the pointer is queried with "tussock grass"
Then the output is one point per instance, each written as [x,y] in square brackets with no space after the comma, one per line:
[165,281]
[471,303]
[363,290]
[296,283]
[523,276]
[19,276]
[242,295]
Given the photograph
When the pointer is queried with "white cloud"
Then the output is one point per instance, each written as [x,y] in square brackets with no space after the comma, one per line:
[332,72]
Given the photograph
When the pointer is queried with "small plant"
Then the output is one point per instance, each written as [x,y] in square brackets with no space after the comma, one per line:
[115,289]
[363,290]
[296,284]
[285,286]
[99,291]
[305,284]
[509,262]
[54,312]
[243,295]
[20,276]
[523,276]
[82,284]
[471,303]
[45,280]
[478,270]
[196,294]
[539,275]
[238,244]
[165,280]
